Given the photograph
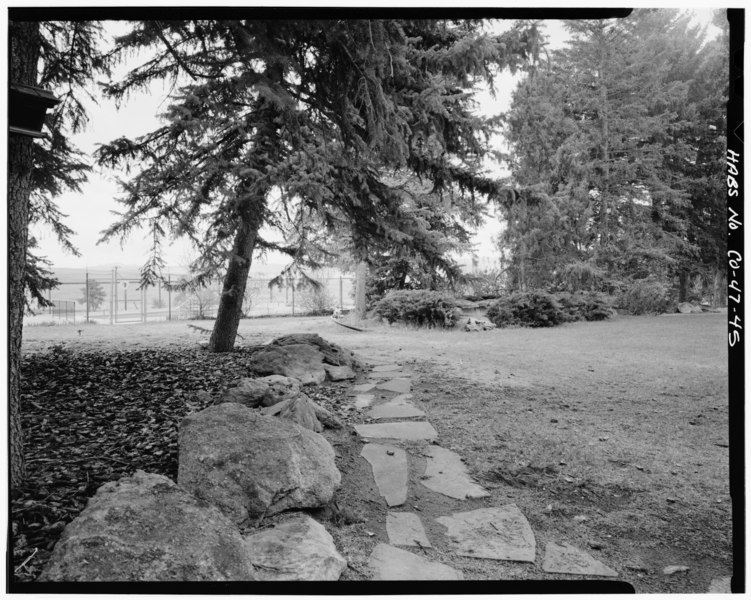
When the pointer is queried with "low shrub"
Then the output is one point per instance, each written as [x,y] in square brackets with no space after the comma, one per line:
[591,306]
[529,309]
[646,296]
[417,307]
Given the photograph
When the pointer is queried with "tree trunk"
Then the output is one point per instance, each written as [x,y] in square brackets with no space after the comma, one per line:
[720,292]
[361,277]
[683,284]
[233,290]
[24,40]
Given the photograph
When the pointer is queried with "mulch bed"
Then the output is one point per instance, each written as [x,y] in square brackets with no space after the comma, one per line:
[93,417]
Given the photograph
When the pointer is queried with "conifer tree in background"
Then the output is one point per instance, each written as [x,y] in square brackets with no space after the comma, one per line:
[601,142]
[285,117]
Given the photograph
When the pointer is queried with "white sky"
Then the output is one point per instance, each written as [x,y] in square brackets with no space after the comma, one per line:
[90,211]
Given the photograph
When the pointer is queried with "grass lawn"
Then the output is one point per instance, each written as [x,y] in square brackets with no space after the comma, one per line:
[611,436]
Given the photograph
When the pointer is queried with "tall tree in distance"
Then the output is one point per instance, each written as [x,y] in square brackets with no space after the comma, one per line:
[312,113]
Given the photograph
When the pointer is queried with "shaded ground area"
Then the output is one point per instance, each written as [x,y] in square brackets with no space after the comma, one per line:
[610,436]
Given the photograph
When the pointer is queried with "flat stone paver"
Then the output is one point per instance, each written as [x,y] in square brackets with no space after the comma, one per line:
[390,471]
[447,475]
[364,400]
[396,408]
[501,533]
[390,563]
[719,585]
[381,368]
[565,558]
[400,386]
[407,430]
[405,529]
[363,387]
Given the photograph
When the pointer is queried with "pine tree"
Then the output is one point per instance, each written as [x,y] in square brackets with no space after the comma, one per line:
[51,55]
[596,138]
[305,117]
[93,294]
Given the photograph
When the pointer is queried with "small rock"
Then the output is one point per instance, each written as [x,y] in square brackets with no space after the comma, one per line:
[671,500]
[581,518]
[674,569]
[595,545]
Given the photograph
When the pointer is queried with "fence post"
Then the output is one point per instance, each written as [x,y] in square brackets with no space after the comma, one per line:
[112,295]
[74,313]
[115,294]
[169,297]
[293,300]
[144,302]
[341,293]
[87,296]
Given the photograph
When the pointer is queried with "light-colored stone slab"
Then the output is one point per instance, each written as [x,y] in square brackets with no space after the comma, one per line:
[394,564]
[719,585]
[407,430]
[500,533]
[396,408]
[364,400]
[390,471]
[382,368]
[400,386]
[447,475]
[363,387]
[379,377]
[565,558]
[405,529]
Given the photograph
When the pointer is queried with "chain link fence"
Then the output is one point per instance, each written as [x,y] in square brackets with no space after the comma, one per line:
[108,297]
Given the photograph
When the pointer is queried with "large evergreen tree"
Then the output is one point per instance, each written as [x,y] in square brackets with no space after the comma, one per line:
[599,138]
[295,117]
[61,57]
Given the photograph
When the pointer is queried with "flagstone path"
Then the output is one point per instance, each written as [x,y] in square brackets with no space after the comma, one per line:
[497,533]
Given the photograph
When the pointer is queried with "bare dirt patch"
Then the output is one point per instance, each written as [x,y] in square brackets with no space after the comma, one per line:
[610,436]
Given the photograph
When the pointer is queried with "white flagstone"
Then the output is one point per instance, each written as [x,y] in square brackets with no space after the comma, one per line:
[501,533]
[390,471]
[390,563]
[406,430]
[405,529]
[565,558]
[446,474]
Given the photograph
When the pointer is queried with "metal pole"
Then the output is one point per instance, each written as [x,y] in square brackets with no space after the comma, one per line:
[293,300]
[341,293]
[144,304]
[169,297]
[87,296]
[74,312]
[115,294]
[112,294]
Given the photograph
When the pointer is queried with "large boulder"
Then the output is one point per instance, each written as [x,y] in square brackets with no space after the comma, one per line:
[301,361]
[339,373]
[248,392]
[280,388]
[306,413]
[249,464]
[297,548]
[332,353]
[146,528]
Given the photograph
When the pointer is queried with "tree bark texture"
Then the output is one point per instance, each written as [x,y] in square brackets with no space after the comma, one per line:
[683,284]
[24,42]
[233,289]
[361,278]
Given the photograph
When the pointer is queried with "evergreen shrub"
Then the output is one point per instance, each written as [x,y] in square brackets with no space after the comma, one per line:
[646,296]
[529,309]
[418,307]
[590,306]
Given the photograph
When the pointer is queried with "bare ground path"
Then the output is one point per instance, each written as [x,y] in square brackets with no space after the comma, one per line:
[611,436]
